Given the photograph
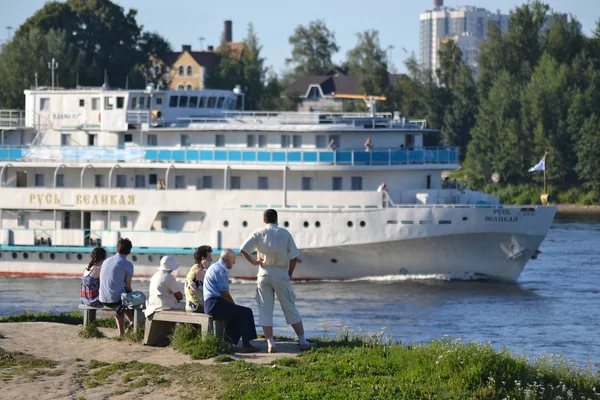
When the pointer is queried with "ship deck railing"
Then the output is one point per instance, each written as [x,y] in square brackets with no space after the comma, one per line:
[341,157]
[12,119]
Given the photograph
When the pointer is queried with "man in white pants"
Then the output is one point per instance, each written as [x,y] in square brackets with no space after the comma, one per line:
[276,260]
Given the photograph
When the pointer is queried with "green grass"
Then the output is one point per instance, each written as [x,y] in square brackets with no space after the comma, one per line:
[10,359]
[132,336]
[71,318]
[90,331]
[134,374]
[442,369]
[187,339]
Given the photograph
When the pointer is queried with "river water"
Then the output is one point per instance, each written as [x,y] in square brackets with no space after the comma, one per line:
[554,308]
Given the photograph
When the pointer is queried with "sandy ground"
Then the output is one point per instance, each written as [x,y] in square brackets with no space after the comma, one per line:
[59,342]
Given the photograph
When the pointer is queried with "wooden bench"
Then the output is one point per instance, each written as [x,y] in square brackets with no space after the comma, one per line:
[89,314]
[162,323]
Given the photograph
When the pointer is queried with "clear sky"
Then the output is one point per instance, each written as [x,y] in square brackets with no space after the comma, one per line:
[184,21]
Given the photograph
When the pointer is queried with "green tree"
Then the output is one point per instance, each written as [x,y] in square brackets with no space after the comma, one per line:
[253,70]
[153,69]
[27,55]
[460,115]
[367,60]
[588,153]
[450,63]
[313,47]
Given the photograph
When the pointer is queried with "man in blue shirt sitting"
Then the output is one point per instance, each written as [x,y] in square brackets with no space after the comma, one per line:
[115,278]
[219,304]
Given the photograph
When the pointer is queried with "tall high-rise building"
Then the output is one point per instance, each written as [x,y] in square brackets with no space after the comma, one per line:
[467,26]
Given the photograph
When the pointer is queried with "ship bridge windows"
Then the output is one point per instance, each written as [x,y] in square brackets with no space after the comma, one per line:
[183,101]
[202,103]
[212,101]
[158,101]
[193,103]
[109,103]
[173,100]
[134,103]
[220,102]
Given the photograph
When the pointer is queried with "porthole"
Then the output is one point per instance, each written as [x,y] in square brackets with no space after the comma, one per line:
[333,261]
[286,224]
[306,224]
[225,224]
[465,218]
[52,256]
[14,256]
[150,258]
[317,224]
[41,256]
[362,224]
[68,256]
[244,224]
[350,224]
[79,256]
[25,256]
[134,258]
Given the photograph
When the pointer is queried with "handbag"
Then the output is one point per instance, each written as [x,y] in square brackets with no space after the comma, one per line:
[133,299]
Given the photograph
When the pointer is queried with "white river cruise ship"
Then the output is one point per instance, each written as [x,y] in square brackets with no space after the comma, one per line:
[173,170]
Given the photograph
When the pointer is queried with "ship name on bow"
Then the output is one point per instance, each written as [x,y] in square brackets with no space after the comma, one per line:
[501,216]
[84,199]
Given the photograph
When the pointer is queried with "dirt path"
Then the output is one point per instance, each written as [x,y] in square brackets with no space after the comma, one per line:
[71,378]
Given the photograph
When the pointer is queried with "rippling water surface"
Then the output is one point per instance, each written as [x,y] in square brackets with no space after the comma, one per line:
[553,308]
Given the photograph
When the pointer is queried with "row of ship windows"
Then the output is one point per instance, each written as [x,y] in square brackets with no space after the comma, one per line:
[140,103]
[68,256]
[306,224]
[252,141]
[204,182]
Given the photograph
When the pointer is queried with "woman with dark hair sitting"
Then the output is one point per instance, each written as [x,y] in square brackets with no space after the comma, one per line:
[194,297]
[90,281]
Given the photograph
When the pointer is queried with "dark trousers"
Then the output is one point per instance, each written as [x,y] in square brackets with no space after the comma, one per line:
[240,320]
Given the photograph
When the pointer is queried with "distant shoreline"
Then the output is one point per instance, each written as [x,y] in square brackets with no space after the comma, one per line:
[577,208]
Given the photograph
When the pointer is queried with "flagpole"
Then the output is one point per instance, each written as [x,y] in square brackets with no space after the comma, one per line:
[545,185]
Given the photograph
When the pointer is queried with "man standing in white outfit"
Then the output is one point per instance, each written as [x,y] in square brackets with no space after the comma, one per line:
[276,261]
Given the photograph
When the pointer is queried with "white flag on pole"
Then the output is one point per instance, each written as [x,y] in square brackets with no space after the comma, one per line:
[541,166]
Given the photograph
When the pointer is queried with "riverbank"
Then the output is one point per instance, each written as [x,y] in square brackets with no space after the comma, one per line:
[62,365]
[577,209]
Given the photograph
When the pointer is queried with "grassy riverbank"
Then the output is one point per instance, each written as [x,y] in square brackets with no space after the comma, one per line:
[346,366]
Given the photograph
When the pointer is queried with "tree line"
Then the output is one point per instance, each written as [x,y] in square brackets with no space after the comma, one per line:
[537,90]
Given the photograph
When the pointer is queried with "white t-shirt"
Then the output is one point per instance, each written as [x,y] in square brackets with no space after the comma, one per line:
[274,244]
[161,293]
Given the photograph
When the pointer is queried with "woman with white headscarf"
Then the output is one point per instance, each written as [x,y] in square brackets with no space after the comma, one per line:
[164,291]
